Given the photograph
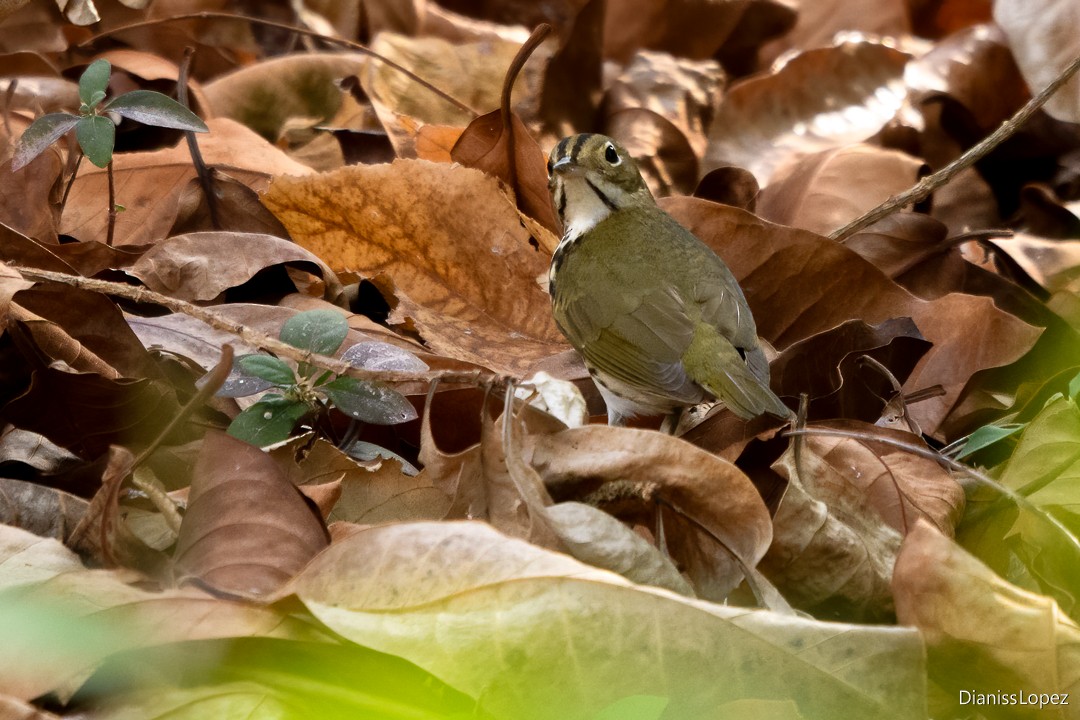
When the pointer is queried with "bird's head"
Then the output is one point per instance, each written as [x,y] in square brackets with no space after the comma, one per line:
[590,177]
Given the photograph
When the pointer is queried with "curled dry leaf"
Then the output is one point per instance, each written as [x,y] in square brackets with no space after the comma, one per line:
[799,284]
[507,612]
[818,100]
[149,184]
[45,587]
[729,185]
[828,554]
[83,330]
[367,493]
[1044,36]
[975,68]
[663,154]
[712,519]
[247,530]
[230,205]
[264,96]
[201,266]
[825,191]
[829,367]
[459,262]
[38,509]
[848,503]
[983,634]
[471,72]
[583,531]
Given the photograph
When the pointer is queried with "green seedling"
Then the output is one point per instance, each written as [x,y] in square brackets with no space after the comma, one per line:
[309,392]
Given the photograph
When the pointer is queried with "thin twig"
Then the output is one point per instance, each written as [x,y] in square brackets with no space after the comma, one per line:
[298,30]
[932,182]
[252,336]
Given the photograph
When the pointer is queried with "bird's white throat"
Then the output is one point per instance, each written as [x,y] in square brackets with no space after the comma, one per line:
[582,207]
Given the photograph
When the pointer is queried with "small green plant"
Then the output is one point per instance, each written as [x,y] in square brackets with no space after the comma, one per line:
[95,124]
[310,393]
[94,127]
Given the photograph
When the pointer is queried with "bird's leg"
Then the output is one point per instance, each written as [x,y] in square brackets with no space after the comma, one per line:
[671,421]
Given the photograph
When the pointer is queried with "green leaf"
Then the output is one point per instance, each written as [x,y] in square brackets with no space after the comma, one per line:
[96,135]
[42,133]
[271,369]
[1074,388]
[634,707]
[153,108]
[268,421]
[369,402]
[95,79]
[320,331]
[986,436]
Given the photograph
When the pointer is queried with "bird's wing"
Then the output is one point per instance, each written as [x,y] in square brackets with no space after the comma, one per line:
[638,339]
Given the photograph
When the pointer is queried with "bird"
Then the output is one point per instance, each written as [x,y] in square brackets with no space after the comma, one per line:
[657,316]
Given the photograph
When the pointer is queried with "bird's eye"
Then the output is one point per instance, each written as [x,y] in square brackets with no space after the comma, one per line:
[549,165]
[611,154]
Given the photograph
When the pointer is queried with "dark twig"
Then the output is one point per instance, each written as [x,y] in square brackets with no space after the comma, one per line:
[932,182]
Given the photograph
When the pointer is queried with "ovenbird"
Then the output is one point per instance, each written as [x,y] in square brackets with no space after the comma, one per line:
[658,317]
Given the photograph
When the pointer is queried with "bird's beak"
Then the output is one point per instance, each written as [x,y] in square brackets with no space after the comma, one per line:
[562,167]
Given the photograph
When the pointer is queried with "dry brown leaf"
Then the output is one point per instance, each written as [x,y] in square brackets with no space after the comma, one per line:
[662,152]
[7,7]
[975,68]
[941,18]
[829,554]
[265,95]
[825,191]
[235,207]
[819,21]
[659,109]
[37,180]
[38,509]
[709,510]
[149,184]
[900,242]
[818,100]
[246,530]
[458,263]
[369,493]
[729,185]
[1020,642]
[829,367]
[1054,264]
[799,284]
[684,92]
[83,330]
[848,503]
[690,28]
[201,266]
[573,78]
[1044,36]
[508,612]
[472,73]
[46,587]
[512,155]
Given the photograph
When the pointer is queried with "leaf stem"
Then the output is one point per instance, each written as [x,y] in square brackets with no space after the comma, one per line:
[112,204]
